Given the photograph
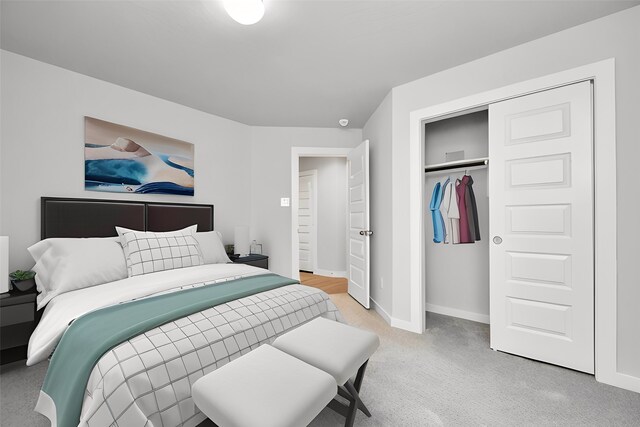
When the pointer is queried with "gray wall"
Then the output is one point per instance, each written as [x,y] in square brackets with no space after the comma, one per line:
[43,109]
[41,154]
[332,212]
[457,276]
[378,131]
[617,36]
[242,170]
[271,180]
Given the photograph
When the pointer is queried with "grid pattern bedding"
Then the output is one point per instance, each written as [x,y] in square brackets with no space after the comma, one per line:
[148,252]
[146,381]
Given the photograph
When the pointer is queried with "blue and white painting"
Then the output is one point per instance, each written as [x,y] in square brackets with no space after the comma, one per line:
[121,159]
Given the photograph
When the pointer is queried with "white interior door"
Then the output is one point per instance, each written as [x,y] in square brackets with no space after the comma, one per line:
[307,220]
[359,232]
[541,202]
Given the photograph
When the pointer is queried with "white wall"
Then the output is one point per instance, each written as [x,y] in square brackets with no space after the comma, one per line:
[42,137]
[457,276]
[331,222]
[618,36]
[378,131]
[271,180]
[41,154]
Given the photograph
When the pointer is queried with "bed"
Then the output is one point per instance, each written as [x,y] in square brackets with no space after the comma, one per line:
[145,379]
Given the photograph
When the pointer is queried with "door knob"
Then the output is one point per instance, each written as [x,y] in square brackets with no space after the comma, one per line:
[497,240]
[366,232]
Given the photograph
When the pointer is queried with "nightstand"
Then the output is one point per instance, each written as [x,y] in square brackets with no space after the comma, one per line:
[18,319]
[261,261]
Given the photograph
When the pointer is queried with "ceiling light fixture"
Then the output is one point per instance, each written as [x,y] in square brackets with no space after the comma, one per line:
[343,122]
[245,12]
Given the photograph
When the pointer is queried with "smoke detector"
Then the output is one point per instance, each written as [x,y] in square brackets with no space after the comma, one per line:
[343,122]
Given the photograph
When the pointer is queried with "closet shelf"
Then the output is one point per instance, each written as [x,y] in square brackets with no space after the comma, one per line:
[458,164]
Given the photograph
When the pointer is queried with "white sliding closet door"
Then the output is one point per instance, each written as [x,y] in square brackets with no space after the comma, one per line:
[541,203]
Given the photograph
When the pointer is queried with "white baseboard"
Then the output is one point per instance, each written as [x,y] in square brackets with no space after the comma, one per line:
[454,312]
[408,326]
[381,311]
[393,322]
[405,324]
[621,380]
[330,273]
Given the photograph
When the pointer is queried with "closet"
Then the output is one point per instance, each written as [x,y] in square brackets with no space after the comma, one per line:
[457,275]
[530,275]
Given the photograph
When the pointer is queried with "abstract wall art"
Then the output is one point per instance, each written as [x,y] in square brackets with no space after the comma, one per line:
[121,159]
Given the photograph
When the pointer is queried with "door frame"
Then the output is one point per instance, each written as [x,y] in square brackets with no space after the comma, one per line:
[296,153]
[313,173]
[602,74]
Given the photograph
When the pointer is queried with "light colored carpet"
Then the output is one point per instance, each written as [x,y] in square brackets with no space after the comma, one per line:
[19,388]
[447,376]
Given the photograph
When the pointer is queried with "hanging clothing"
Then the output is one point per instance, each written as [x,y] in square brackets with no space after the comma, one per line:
[436,216]
[443,212]
[461,189]
[450,214]
[472,209]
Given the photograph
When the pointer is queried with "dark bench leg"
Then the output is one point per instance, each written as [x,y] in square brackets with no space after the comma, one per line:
[350,391]
[360,376]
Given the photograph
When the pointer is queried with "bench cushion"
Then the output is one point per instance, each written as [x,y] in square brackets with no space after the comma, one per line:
[333,347]
[265,388]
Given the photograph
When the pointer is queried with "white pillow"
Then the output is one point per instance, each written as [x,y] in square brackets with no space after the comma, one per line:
[66,264]
[212,248]
[148,252]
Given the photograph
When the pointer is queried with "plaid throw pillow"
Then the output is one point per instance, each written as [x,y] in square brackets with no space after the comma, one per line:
[147,252]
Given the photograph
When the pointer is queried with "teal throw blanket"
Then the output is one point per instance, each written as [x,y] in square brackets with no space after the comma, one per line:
[89,337]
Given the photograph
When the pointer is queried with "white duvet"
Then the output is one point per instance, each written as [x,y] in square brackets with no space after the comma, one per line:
[147,380]
[65,308]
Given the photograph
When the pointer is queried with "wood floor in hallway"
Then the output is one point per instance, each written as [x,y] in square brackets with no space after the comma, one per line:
[331,285]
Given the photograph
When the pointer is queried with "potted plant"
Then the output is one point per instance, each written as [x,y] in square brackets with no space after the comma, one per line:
[23,280]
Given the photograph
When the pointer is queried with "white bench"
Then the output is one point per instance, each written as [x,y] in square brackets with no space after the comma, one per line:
[288,384]
[264,388]
[338,349]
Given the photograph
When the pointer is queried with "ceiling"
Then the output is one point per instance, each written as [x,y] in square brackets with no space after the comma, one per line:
[307,63]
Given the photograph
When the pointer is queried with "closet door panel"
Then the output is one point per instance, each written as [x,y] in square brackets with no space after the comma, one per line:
[540,124]
[547,219]
[541,226]
[539,172]
[540,319]
[539,268]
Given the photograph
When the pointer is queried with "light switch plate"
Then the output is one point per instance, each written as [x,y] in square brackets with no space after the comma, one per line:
[284,201]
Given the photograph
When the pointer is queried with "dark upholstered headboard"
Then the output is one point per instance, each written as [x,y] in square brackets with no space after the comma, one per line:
[64,217]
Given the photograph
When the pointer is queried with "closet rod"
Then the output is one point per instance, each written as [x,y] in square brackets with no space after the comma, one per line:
[457,165]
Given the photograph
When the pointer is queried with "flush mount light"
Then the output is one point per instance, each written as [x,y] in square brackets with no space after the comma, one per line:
[245,12]
[343,122]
